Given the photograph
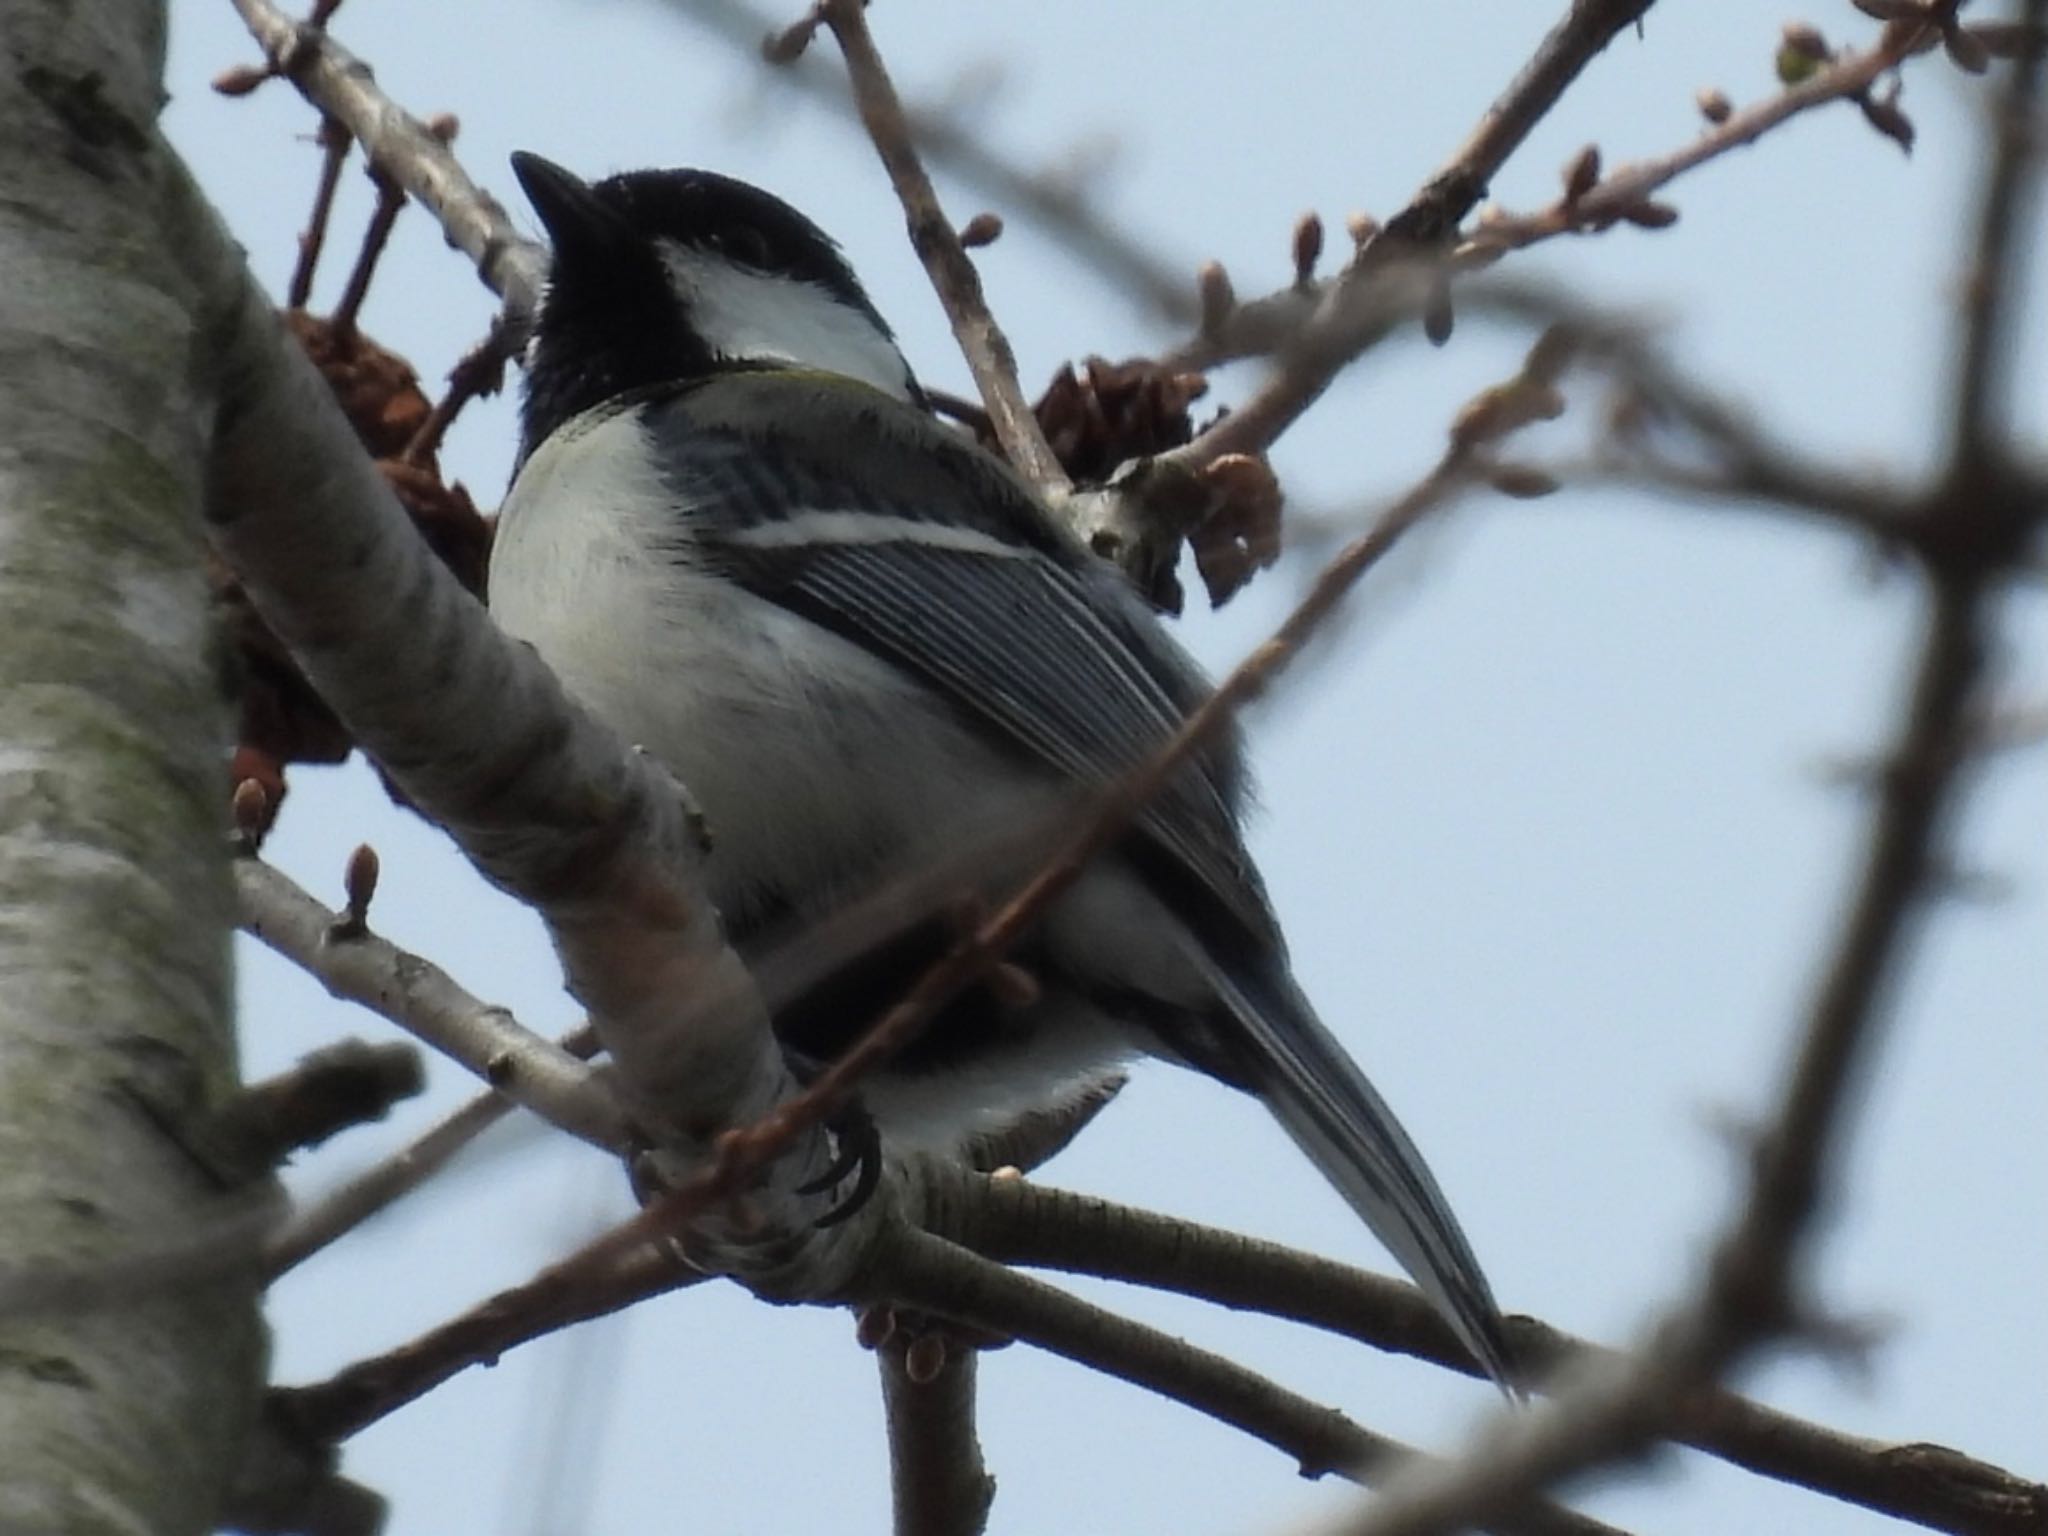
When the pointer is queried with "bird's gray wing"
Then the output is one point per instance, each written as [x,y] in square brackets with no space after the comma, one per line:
[938,560]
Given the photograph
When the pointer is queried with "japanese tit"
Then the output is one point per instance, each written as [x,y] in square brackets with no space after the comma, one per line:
[868,650]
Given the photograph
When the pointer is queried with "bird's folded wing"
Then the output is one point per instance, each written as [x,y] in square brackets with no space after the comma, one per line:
[893,532]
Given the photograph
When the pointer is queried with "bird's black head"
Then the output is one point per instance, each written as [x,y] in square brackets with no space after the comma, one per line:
[663,275]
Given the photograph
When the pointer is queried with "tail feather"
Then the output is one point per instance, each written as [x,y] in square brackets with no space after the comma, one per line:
[1286,1056]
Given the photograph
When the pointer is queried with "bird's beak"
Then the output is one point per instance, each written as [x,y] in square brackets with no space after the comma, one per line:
[579,223]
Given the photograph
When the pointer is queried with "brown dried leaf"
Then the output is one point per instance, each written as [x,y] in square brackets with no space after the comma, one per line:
[1102,414]
[1241,536]
[378,390]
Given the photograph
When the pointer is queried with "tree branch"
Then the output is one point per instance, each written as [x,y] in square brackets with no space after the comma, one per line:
[921,1271]
[1991,287]
[343,1209]
[937,1479]
[422,999]
[1014,1221]
[1316,330]
[1082,227]
[556,1298]
[938,246]
[1586,29]
[402,147]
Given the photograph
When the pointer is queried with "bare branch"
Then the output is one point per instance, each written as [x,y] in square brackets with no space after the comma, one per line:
[1015,1221]
[1748,1291]
[556,1298]
[1620,194]
[938,246]
[404,148]
[1583,34]
[373,1191]
[922,1271]
[1991,287]
[341,1085]
[1320,329]
[426,1002]
[1055,202]
[936,1475]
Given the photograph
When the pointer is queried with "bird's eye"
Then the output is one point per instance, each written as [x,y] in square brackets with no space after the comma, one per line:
[743,242]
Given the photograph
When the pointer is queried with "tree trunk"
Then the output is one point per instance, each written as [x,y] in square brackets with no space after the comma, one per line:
[118,1412]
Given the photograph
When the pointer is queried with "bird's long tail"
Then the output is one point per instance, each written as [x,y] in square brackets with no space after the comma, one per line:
[1294,1064]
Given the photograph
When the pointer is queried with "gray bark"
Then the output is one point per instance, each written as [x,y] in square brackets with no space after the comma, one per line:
[116,1044]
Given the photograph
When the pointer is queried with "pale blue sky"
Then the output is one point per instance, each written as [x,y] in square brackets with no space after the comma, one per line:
[1546,828]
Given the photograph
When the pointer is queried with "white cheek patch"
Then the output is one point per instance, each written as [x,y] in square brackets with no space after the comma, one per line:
[752,316]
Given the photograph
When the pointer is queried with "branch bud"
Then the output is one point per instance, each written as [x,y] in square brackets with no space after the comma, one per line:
[984,228]
[1218,299]
[1581,174]
[240,79]
[1308,248]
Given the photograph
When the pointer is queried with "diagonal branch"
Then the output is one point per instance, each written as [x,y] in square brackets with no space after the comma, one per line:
[1080,225]
[374,1190]
[1454,191]
[938,246]
[422,999]
[1319,329]
[402,147]
[1749,1293]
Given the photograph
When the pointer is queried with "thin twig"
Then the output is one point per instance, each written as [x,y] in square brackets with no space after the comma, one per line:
[404,148]
[374,1190]
[556,1298]
[426,1002]
[334,146]
[1081,226]
[479,371]
[1845,77]
[1747,1294]
[1319,329]
[938,246]
[1985,344]
[1586,29]
[376,235]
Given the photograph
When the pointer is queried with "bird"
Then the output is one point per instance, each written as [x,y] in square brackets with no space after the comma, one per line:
[740,538]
